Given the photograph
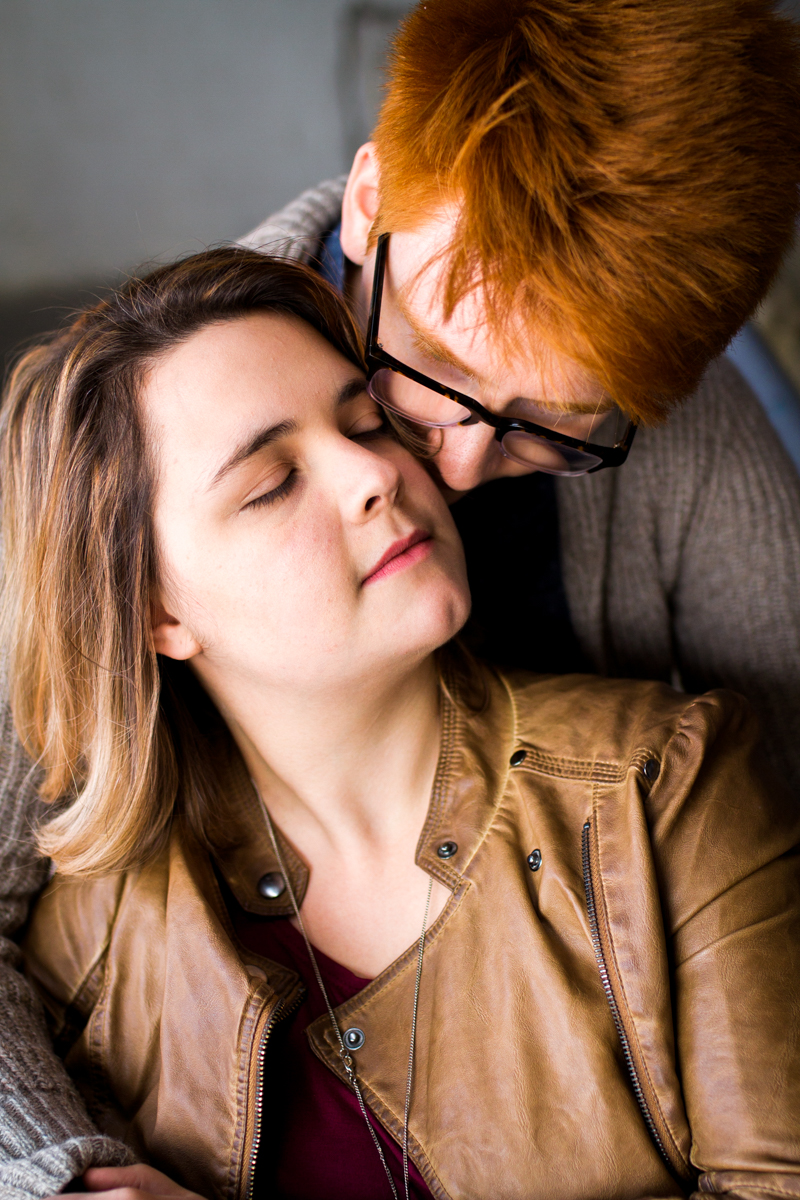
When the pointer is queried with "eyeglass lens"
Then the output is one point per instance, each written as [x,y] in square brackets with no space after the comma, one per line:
[425,407]
[415,401]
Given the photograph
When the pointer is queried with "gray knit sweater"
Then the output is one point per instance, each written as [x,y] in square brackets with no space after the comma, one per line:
[684,563]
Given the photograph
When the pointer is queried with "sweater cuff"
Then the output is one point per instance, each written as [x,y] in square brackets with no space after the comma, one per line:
[50,1169]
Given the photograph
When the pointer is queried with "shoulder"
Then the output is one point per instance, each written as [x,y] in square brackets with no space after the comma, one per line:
[688,770]
[68,937]
[720,437]
[717,447]
[620,724]
[614,721]
[295,230]
[78,919]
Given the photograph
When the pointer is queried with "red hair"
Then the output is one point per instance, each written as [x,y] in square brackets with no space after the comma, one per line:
[626,171]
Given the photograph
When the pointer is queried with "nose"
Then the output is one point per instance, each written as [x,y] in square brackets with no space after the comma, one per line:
[367,481]
[469,456]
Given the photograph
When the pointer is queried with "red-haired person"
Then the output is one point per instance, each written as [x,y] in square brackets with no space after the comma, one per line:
[574,204]
[338,911]
[584,201]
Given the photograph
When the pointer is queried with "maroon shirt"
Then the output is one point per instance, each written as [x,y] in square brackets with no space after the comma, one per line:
[315,1143]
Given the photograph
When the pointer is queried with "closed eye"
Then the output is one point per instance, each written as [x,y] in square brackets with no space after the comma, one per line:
[275,494]
[370,422]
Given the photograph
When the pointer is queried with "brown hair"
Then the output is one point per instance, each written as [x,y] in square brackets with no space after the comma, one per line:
[126,735]
[627,171]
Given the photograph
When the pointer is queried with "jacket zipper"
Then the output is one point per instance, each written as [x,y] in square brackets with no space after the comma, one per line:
[611,998]
[278,1014]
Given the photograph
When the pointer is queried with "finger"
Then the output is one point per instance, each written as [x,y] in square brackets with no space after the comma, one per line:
[139,1177]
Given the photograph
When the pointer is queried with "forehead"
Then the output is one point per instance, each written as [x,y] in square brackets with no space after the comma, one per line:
[225,386]
[506,362]
[223,357]
[233,370]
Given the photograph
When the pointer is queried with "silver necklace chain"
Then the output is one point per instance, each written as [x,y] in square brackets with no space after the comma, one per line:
[347,1059]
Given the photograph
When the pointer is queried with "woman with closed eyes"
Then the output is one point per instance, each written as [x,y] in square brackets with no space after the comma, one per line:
[337,911]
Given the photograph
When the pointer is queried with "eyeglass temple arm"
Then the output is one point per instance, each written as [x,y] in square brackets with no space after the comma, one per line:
[377,291]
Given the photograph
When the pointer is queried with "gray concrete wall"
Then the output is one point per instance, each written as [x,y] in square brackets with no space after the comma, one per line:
[134,129]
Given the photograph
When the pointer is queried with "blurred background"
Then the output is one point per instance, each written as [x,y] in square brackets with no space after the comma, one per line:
[137,130]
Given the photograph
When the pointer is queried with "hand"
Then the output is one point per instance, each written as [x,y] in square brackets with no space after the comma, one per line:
[138,1182]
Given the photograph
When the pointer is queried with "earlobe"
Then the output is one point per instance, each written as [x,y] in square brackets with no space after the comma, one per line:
[360,203]
[170,637]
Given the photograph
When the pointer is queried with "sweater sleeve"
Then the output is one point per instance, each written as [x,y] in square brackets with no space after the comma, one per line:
[735,585]
[46,1136]
[684,564]
[295,231]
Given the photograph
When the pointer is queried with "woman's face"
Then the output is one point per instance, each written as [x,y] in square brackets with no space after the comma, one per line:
[299,544]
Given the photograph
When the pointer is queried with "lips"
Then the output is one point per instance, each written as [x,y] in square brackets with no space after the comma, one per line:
[400,554]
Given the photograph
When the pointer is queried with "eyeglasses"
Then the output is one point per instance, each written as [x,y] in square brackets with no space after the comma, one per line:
[575,443]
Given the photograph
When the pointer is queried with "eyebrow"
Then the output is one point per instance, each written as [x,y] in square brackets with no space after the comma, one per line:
[274,433]
[431,345]
[435,349]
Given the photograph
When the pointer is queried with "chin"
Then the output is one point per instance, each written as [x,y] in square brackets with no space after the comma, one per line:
[427,606]
[437,620]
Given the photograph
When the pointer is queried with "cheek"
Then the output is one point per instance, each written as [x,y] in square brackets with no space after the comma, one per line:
[269,596]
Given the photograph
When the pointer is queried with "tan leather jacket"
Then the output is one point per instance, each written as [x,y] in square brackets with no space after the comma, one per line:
[623,1021]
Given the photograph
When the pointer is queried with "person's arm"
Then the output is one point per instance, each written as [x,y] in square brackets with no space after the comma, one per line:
[684,564]
[295,231]
[714,1039]
[46,1137]
[725,834]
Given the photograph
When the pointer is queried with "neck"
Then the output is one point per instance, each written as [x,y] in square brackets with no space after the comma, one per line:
[350,771]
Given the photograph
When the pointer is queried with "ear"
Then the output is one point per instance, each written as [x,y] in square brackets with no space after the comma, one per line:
[169,636]
[360,203]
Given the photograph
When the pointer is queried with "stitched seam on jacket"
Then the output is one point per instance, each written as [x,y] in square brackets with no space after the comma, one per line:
[441,784]
[772,1190]
[541,763]
[96,1040]
[248,1030]
[76,1015]
[630,1025]
[102,953]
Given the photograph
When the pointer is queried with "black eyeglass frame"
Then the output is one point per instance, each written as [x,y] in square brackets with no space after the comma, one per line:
[378,359]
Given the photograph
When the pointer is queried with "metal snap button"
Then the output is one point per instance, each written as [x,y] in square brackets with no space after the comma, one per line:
[534,860]
[651,770]
[353,1038]
[518,757]
[447,849]
[271,885]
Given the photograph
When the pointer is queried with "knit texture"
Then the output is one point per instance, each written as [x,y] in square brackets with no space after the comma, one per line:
[295,232]
[684,564]
[46,1137]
